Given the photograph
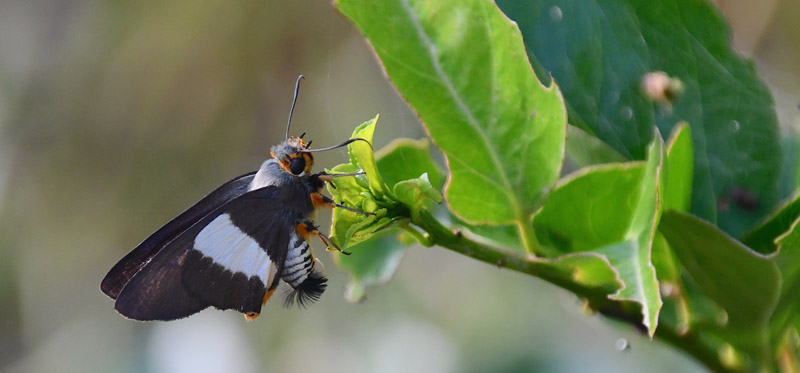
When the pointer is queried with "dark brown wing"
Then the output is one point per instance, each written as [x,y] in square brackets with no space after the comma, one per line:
[224,260]
[123,271]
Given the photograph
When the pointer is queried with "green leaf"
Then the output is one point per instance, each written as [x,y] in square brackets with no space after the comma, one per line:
[371,263]
[406,159]
[363,193]
[594,206]
[408,164]
[352,192]
[588,269]
[788,261]
[586,150]
[668,273]
[633,258]
[349,190]
[788,257]
[598,51]
[762,239]
[744,283]
[364,157]
[470,81]
[504,236]
[376,252]
[612,210]
[414,193]
[678,175]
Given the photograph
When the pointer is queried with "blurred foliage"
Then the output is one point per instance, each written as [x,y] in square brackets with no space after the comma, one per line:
[116,116]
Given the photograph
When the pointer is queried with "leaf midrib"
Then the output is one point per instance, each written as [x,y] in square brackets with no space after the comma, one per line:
[471,120]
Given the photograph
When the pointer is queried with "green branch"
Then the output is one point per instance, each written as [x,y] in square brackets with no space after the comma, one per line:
[438,234]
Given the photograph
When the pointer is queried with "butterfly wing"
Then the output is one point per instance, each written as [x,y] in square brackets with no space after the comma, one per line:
[229,259]
[126,268]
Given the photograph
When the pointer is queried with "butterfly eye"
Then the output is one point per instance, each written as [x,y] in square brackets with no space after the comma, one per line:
[297,165]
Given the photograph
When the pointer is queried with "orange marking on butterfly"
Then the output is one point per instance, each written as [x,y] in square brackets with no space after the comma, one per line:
[318,201]
[266,297]
[250,316]
[302,231]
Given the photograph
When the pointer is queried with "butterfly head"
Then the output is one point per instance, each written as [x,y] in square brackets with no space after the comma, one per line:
[293,156]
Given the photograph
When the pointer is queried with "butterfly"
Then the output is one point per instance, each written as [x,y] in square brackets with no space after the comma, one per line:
[231,249]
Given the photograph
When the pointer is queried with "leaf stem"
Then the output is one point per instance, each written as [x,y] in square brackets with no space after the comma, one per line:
[597,299]
[423,239]
[441,235]
[529,240]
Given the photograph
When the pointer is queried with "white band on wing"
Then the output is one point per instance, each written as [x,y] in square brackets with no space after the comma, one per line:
[228,246]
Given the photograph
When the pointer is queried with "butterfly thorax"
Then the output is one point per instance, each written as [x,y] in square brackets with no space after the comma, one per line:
[283,170]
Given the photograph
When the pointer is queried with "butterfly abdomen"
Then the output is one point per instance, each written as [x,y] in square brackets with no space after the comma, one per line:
[303,273]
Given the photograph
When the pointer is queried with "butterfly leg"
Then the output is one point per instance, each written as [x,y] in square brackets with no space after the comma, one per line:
[308,228]
[321,200]
[328,178]
[324,176]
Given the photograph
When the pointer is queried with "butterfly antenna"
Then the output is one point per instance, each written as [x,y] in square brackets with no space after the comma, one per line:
[336,146]
[294,101]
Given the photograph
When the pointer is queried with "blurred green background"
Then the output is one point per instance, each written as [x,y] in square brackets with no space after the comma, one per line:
[116,116]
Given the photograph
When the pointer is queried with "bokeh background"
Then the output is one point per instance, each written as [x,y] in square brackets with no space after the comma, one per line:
[115,116]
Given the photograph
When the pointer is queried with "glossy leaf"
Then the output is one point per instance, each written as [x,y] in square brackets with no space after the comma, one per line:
[470,81]
[599,51]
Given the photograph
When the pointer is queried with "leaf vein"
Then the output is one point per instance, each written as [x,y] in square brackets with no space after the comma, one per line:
[471,119]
